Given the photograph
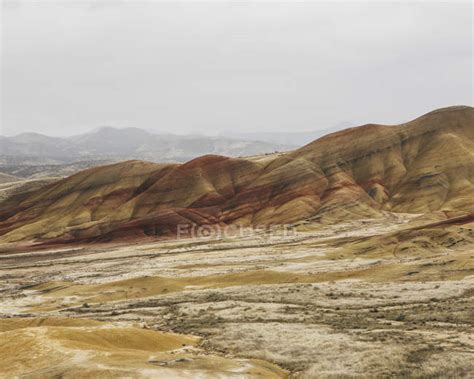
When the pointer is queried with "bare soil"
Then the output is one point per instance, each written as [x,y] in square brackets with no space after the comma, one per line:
[367,298]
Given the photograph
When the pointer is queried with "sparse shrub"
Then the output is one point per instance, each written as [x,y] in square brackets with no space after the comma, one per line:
[400,317]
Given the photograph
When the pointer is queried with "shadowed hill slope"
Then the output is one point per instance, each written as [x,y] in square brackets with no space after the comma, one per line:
[420,166]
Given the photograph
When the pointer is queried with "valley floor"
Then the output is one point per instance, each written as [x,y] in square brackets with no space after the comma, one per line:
[368,298]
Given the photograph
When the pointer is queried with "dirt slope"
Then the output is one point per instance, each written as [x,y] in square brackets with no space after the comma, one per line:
[81,348]
[5,178]
[421,166]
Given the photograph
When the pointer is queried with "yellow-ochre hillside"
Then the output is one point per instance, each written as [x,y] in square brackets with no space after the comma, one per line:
[422,166]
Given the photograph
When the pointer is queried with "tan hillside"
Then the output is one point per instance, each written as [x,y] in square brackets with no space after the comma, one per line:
[6,178]
[82,348]
[22,186]
[421,166]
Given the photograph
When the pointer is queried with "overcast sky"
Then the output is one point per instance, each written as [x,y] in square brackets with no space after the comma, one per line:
[207,67]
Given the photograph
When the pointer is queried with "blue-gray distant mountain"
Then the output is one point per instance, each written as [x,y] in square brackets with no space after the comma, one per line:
[110,143]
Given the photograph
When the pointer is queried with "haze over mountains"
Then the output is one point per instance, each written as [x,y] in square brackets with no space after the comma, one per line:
[422,166]
[293,138]
[128,143]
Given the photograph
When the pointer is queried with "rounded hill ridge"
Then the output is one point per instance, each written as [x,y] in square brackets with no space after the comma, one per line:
[420,166]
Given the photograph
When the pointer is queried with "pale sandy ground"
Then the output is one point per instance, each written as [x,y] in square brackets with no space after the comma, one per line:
[328,302]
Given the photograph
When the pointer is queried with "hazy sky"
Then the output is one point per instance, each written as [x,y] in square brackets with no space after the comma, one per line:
[207,67]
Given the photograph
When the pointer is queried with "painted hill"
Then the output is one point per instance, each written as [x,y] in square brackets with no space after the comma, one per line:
[421,166]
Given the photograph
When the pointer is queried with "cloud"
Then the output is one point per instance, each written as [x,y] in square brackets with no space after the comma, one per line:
[209,67]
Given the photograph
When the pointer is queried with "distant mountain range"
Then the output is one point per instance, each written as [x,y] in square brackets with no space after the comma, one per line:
[110,143]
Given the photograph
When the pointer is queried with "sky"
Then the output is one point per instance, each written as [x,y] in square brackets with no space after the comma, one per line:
[68,67]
